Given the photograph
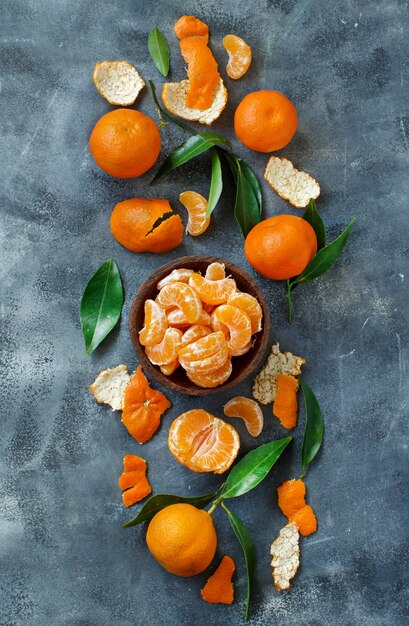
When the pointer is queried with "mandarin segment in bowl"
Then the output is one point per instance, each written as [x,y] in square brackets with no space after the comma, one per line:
[155,324]
[216,271]
[213,379]
[212,291]
[202,442]
[238,327]
[249,305]
[166,351]
[183,297]
[179,275]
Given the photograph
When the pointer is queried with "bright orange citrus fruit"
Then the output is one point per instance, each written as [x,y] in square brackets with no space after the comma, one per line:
[281,247]
[182,538]
[265,121]
[125,143]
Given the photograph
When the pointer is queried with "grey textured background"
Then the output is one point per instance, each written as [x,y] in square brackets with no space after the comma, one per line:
[65,560]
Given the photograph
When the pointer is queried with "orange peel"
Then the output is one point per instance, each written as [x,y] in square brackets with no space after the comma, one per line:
[285,552]
[119,82]
[109,386]
[291,184]
[174,98]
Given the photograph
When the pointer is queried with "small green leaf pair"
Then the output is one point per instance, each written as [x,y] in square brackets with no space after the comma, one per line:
[244,477]
[326,256]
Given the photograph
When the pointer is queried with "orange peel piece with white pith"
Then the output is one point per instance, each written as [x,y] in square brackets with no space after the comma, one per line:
[118,82]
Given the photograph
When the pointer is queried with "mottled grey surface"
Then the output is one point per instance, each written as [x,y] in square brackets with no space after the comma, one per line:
[65,559]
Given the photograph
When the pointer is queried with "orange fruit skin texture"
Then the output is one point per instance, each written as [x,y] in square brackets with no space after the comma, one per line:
[133,480]
[291,496]
[305,519]
[202,442]
[285,405]
[265,121]
[190,26]
[219,587]
[125,143]
[132,222]
[291,500]
[281,246]
[143,407]
[202,72]
[182,539]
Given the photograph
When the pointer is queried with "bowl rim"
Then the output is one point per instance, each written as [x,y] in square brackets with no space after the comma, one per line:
[153,370]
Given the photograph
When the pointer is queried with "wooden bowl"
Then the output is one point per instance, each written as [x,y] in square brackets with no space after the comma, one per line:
[243,366]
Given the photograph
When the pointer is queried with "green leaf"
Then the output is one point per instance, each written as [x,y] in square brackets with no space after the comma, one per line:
[248,203]
[243,535]
[314,427]
[312,216]
[325,258]
[162,500]
[322,262]
[101,304]
[189,149]
[159,50]
[253,468]
[216,182]
[290,305]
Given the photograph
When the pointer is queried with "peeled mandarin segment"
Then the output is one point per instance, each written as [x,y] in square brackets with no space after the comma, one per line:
[203,442]
[239,56]
[166,351]
[170,367]
[244,349]
[204,355]
[196,206]
[249,411]
[174,99]
[250,305]
[291,496]
[155,324]
[132,225]
[285,405]
[203,348]
[212,379]
[143,407]
[212,291]
[305,520]
[194,333]
[208,308]
[183,297]
[202,72]
[238,324]
[177,318]
[118,82]
[190,26]
[179,275]
[133,480]
[215,271]
[219,587]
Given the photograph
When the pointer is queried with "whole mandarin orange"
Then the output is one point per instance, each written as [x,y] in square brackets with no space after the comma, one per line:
[125,143]
[281,247]
[182,539]
[265,121]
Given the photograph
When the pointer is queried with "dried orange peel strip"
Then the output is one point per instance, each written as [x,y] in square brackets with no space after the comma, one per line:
[133,480]
[119,82]
[191,26]
[109,386]
[265,384]
[285,406]
[239,56]
[291,184]
[219,587]
[285,552]
[305,520]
